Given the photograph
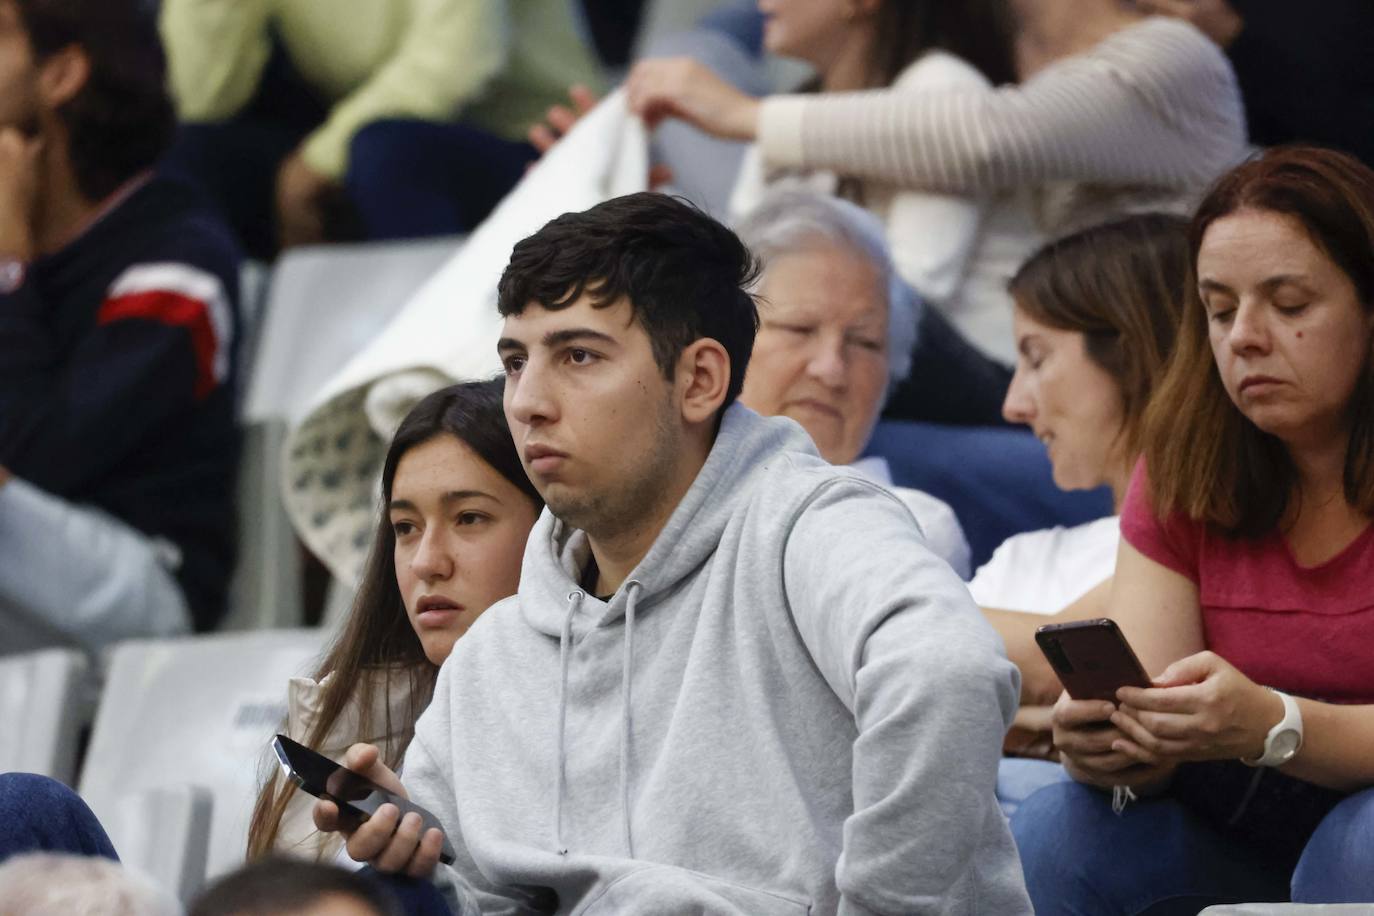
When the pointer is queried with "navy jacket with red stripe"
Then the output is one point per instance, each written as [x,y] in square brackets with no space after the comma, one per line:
[118,381]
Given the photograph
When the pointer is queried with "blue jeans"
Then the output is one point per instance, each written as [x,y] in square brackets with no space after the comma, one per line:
[38,814]
[1019,778]
[1157,858]
[1338,864]
[235,161]
[416,179]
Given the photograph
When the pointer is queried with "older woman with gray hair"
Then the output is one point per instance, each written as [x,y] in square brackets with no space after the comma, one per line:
[837,327]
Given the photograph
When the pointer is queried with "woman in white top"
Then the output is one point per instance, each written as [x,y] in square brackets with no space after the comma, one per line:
[1116,112]
[1095,316]
[456,511]
[835,331]
[956,250]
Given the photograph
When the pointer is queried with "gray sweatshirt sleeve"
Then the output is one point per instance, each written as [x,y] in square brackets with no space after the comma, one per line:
[429,779]
[898,638]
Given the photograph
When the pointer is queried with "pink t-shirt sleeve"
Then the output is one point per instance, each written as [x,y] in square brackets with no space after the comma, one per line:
[1173,542]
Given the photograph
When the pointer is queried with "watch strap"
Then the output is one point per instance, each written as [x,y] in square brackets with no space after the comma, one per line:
[1278,752]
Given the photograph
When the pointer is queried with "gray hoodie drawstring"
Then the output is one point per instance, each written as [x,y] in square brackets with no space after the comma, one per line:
[574,601]
[633,588]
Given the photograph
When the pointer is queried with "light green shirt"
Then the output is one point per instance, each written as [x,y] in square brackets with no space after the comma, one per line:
[497,64]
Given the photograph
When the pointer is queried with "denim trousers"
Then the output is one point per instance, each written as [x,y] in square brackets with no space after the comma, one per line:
[39,814]
[1158,858]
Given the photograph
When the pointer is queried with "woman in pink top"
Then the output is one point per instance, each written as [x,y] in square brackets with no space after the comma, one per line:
[1245,581]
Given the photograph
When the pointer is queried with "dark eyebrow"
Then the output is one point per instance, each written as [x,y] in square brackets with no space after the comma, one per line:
[1268,285]
[556,338]
[568,335]
[452,496]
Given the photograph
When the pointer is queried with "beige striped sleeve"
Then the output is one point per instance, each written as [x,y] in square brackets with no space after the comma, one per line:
[1156,104]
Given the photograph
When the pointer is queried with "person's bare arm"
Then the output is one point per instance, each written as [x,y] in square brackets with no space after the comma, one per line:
[1039,684]
[1203,708]
[1157,609]
[1216,19]
[1159,612]
[1338,746]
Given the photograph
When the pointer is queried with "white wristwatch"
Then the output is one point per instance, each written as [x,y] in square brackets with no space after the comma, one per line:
[1284,740]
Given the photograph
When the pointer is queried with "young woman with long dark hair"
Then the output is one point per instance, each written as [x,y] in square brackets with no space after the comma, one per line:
[457,509]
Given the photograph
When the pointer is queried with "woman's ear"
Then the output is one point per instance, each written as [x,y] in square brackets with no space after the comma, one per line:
[703,373]
[62,76]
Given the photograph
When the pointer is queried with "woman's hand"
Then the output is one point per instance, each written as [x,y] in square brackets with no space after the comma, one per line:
[560,118]
[679,87]
[1096,752]
[1201,708]
[20,173]
[300,202]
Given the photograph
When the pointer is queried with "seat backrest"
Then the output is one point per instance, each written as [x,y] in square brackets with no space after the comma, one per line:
[42,707]
[200,712]
[164,834]
[324,305]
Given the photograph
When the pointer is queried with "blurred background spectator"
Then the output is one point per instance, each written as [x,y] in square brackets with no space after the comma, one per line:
[835,327]
[60,884]
[274,94]
[1166,124]
[117,343]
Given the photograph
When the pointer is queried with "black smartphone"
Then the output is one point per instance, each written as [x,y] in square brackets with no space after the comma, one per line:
[1091,658]
[357,798]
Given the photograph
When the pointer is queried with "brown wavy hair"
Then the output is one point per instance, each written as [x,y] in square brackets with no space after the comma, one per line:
[1206,459]
[1121,286]
[378,647]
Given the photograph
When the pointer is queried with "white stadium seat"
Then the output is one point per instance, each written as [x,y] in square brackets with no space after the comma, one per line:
[43,705]
[177,752]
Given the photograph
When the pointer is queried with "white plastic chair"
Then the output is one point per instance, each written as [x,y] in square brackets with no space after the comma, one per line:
[322,306]
[43,704]
[177,752]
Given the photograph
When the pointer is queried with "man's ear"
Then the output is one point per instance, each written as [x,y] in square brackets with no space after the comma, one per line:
[703,373]
[63,75]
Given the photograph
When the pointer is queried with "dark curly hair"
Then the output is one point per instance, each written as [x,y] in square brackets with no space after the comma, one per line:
[684,274]
[122,120]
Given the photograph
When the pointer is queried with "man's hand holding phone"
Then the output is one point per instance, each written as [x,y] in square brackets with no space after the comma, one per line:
[388,842]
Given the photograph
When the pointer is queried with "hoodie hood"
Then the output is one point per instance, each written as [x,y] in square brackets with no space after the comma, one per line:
[554,604]
[556,554]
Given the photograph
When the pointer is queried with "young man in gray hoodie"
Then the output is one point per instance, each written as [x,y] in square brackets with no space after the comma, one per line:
[734,679]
